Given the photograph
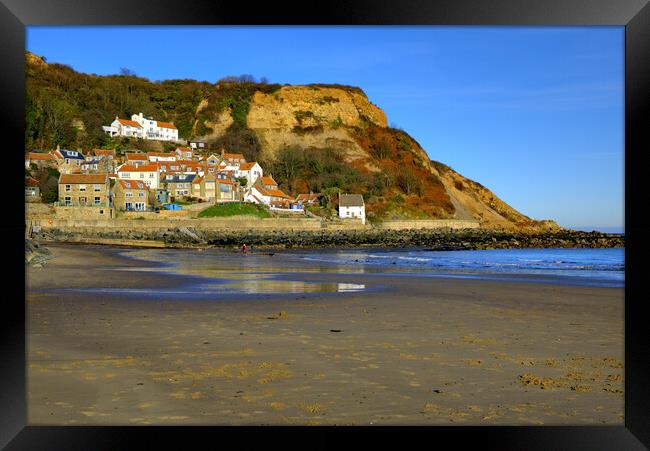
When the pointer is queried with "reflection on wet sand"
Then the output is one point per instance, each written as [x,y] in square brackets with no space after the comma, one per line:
[229,273]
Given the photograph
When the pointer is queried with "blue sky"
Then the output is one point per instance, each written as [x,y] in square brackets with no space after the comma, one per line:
[536,114]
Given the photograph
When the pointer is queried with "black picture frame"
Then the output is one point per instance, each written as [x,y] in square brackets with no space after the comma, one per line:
[633,14]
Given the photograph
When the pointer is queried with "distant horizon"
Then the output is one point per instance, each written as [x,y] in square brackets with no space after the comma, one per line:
[535,114]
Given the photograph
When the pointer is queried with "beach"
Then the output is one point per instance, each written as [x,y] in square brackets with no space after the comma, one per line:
[113,340]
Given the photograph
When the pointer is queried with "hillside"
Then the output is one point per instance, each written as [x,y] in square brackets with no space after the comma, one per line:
[318,137]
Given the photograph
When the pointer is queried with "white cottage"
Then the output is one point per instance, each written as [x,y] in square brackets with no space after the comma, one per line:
[158,130]
[140,126]
[352,206]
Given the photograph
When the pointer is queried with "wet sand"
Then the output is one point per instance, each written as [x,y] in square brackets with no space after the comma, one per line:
[410,350]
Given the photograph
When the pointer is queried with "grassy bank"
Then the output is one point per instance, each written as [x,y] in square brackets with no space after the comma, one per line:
[235,209]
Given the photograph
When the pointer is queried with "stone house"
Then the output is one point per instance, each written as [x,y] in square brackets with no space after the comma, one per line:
[131,195]
[97,165]
[226,191]
[71,157]
[179,185]
[205,187]
[84,190]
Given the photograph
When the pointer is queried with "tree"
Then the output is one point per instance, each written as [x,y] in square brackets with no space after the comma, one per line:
[289,162]
[243,181]
[126,71]
[407,181]
[381,149]
[328,196]
[49,185]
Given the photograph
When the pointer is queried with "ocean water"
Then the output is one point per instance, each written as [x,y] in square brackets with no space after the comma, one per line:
[583,265]
[228,271]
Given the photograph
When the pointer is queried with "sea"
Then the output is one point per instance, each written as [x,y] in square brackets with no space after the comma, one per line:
[603,267]
[278,271]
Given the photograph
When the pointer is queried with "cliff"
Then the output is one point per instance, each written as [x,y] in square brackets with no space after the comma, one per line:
[316,138]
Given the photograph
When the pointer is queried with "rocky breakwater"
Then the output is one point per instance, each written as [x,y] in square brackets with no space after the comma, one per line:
[36,255]
[436,238]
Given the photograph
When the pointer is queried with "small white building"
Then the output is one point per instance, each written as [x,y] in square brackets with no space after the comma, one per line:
[252,171]
[198,144]
[352,206]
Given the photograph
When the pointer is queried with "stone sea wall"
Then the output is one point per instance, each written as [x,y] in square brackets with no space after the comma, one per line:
[443,239]
[427,224]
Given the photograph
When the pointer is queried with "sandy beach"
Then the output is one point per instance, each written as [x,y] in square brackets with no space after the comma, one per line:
[406,350]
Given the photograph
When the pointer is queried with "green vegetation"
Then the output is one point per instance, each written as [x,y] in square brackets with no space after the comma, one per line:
[243,139]
[315,170]
[326,100]
[301,115]
[235,209]
[346,88]
[409,182]
[380,149]
[336,123]
[48,183]
[309,129]
[67,108]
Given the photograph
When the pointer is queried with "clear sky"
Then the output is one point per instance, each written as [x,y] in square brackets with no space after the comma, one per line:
[536,114]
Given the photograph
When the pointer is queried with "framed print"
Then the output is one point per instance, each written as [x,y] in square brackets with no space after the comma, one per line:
[376,215]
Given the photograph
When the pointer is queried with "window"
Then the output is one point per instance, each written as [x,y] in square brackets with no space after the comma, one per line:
[140,194]
[128,206]
[126,175]
[68,188]
[68,201]
[98,200]
[83,200]
[141,175]
[128,194]
[98,188]
[139,206]
[151,175]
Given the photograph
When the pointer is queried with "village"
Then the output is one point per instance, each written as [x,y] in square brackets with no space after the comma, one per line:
[105,184]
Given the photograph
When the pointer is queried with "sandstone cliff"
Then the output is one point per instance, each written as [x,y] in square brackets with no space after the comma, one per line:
[312,138]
